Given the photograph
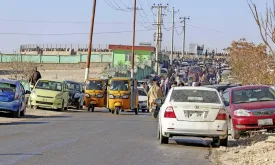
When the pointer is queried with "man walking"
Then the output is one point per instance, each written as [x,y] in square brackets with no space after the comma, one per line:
[35,77]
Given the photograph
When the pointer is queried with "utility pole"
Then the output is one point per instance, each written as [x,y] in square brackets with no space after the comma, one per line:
[172,36]
[134,38]
[184,30]
[158,35]
[90,42]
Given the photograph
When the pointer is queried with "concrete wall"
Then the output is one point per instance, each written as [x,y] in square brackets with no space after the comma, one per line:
[99,57]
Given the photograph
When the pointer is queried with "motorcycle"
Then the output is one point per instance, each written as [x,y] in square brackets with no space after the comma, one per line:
[156,107]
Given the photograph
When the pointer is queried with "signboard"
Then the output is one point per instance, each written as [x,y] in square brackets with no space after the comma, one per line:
[145,44]
[193,48]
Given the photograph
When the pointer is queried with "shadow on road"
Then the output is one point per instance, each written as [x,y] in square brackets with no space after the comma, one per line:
[194,142]
[23,123]
[27,116]
[19,154]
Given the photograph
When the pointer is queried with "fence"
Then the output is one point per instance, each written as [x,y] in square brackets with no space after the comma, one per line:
[106,58]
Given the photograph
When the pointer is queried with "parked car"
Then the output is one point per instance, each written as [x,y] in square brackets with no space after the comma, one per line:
[50,94]
[76,94]
[12,97]
[142,99]
[221,87]
[250,108]
[193,111]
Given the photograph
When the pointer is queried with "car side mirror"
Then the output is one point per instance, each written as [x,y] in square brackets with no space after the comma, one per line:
[158,101]
[27,92]
[226,103]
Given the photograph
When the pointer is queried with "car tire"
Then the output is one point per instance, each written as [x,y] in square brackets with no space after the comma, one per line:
[163,139]
[92,107]
[224,142]
[117,110]
[23,112]
[235,134]
[113,111]
[136,111]
[78,106]
[17,113]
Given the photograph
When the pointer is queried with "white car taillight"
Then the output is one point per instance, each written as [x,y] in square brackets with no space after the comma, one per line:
[169,112]
[222,115]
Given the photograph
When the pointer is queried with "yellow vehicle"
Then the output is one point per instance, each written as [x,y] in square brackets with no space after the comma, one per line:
[95,93]
[122,95]
[50,94]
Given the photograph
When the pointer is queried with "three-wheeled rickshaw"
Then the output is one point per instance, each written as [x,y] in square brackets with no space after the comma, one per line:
[122,95]
[95,93]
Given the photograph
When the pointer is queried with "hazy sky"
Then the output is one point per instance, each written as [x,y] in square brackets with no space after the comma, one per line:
[215,23]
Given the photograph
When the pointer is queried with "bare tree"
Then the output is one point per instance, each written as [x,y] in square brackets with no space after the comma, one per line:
[265,23]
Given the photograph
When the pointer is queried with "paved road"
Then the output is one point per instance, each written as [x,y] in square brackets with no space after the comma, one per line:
[100,138]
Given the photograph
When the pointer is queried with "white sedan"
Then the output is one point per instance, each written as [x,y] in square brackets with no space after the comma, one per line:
[195,112]
[142,99]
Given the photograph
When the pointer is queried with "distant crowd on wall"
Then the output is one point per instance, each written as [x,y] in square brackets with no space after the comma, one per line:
[188,53]
[63,49]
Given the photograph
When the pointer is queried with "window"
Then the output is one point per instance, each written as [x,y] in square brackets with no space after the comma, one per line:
[253,95]
[128,56]
[226,97]
[141,92]
[94,85]
[200,96]
[6,87]
[49,85]
[120,85]
[73,86]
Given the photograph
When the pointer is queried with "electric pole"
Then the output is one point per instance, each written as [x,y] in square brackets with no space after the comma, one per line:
[158,35]
[184,30]
[172,36]
[90,42]
[134,38]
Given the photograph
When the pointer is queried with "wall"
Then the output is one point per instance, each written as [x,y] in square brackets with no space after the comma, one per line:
[119,55]
[99,57]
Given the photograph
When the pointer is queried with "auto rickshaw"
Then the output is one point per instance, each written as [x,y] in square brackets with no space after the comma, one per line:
[122,95]
[95,93]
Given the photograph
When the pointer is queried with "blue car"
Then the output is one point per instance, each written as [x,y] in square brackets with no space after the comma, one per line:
[12,97]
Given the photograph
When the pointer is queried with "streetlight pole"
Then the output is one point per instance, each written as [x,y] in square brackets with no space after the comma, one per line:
[90,42]
[134,37]
[184,32]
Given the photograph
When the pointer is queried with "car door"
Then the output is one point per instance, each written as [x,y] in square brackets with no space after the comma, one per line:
[65,94]
[22,96]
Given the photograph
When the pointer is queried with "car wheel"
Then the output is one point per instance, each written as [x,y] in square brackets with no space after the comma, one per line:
[136,111]
[224,142]
[235,134]
[117,110]
[62,107]
[92,107]
[17,113]
[78,106]
[163,139]
[23,112]
[113,111]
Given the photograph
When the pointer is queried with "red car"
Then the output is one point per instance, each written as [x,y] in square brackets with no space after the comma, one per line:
[250,108]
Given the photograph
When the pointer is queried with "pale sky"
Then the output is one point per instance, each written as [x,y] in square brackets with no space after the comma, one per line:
[214,23]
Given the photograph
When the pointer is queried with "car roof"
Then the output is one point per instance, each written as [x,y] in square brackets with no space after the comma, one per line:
[248,87]
[50,80]
[69,81]
[194,88]
[8,81]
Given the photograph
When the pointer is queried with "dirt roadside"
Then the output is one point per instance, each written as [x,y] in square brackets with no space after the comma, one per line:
[258,149]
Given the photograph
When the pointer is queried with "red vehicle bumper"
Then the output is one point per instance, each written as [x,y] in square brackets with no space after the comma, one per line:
[251,123]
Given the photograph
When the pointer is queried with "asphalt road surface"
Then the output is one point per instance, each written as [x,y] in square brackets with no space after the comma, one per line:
[99,138]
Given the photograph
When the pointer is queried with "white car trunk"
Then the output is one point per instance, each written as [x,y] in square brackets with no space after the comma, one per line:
[186,111]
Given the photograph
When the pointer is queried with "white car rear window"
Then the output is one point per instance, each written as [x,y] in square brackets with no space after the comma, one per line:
[189,95]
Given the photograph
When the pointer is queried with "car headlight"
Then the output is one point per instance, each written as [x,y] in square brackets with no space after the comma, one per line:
[33,93]
[87,95]
[111,96]
[125,96]
[58,96]
[241,112]
[100,95]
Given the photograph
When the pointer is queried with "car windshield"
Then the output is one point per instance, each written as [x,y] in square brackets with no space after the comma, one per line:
[195,69]
[94,85]
[6,87]
[73,86]
[200,96]
[49,85]
[163,71]
[253,95]
[141,92]
[120,85]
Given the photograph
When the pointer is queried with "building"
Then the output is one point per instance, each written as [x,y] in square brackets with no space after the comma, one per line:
[122,54]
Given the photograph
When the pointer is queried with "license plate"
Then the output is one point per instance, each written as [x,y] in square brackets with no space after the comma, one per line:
[196,114]
[262,122]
